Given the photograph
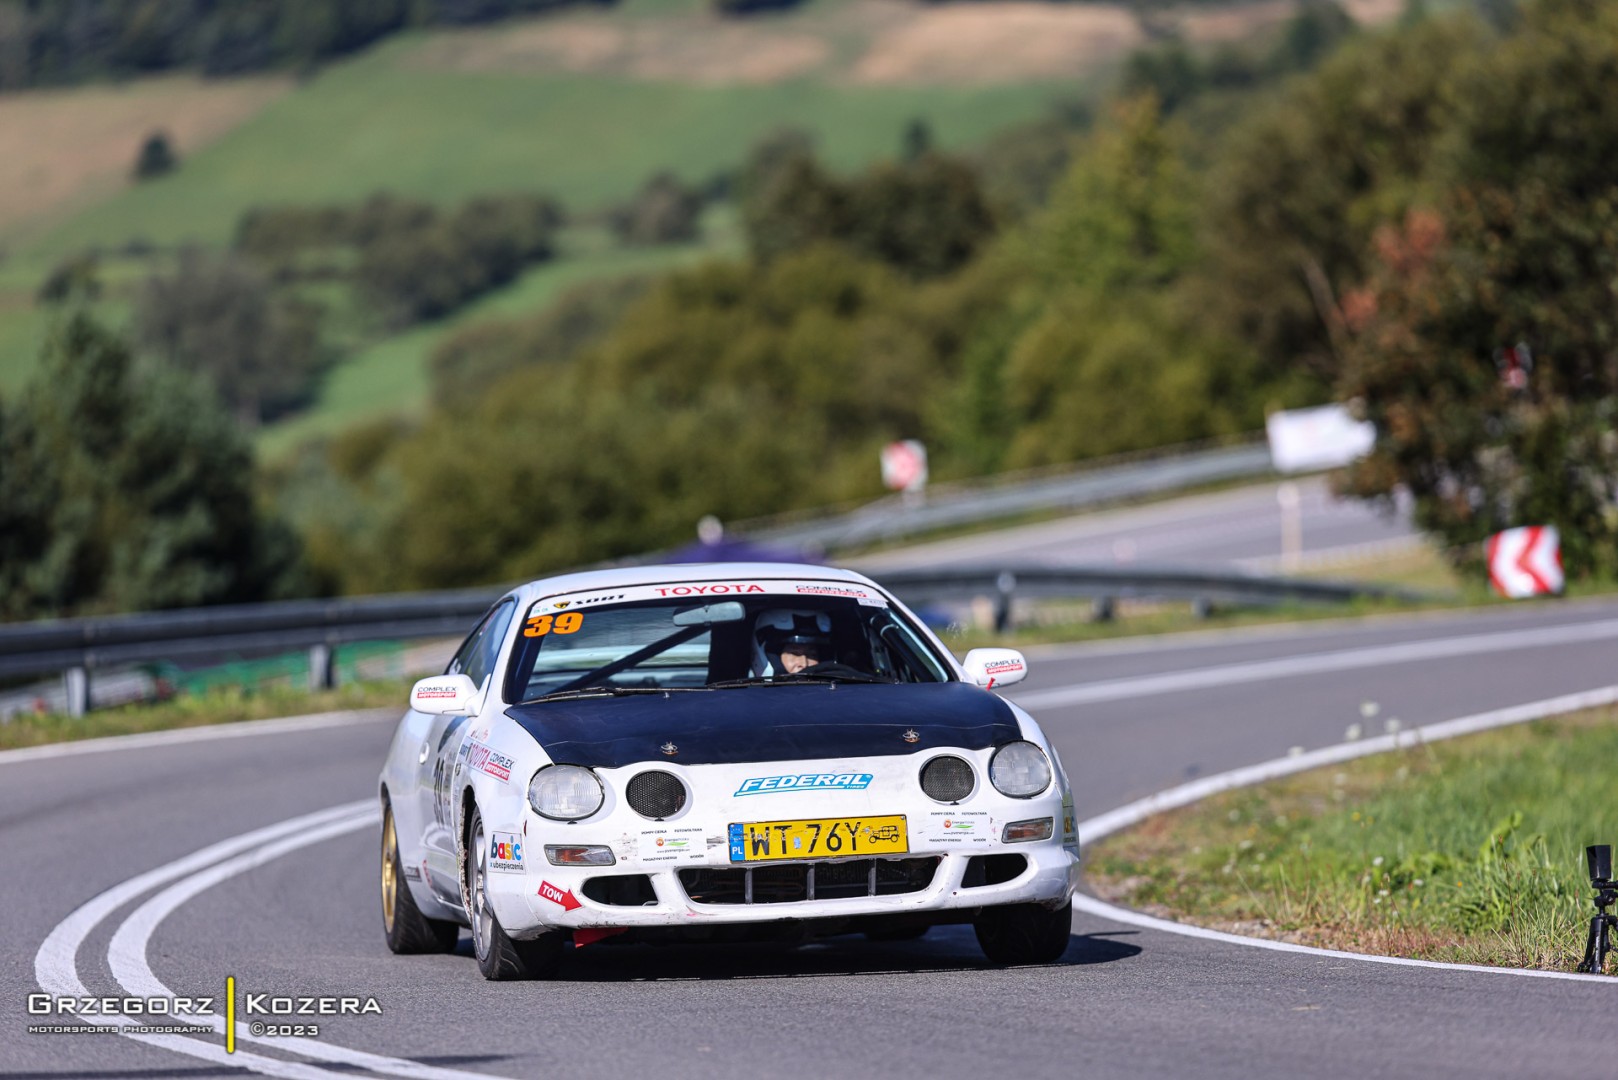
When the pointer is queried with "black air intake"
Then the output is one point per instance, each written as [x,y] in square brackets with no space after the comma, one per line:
[656,794]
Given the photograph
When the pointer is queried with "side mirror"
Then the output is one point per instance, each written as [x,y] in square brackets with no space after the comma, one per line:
[994,668]
[444,695]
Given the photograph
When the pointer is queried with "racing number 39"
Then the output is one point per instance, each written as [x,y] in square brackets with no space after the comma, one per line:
[567,622]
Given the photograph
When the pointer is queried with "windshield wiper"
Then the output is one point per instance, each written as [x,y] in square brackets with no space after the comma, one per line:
[567,692]
[811,677]
[768,680]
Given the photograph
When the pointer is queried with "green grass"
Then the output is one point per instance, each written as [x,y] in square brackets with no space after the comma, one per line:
[379,122]
[221,706]
[1469,851]
[1074,623]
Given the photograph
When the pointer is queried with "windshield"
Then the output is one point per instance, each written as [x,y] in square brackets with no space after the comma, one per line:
[711,636]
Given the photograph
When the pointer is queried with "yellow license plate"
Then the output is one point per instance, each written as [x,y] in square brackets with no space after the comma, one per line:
[818,838]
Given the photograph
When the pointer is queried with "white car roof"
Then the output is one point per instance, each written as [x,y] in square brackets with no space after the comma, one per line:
[621,576]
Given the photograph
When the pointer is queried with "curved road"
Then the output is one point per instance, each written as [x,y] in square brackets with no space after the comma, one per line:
[1236,527]
[1130,718]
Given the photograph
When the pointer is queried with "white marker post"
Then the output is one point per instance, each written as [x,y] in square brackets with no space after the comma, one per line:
[1291,503]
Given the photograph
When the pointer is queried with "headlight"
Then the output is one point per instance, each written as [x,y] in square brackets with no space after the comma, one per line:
[565,792]
[1020,769]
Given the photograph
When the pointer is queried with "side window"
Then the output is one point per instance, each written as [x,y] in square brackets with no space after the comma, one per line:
[476,657]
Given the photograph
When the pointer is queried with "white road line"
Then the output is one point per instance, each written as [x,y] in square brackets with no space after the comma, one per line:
[1317,663]
[1113,821]
[56,967]
[206,733]
[126,954]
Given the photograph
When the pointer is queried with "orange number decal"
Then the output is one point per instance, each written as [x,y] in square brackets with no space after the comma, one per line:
[566,623]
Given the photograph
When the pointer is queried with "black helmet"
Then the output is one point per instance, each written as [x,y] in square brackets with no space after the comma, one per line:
[782,627]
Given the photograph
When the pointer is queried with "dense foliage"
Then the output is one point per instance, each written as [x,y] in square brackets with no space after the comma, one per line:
[748,387]
[122,490]
[409,259]
[216,316]
[1485,343]
[1385,228]
[46,42]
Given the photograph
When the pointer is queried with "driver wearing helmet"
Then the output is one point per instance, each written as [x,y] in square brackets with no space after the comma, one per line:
[791,642]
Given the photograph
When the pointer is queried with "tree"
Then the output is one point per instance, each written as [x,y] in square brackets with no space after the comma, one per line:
[1521,248]
[156,158]
[77,277]
[664,211]
[917,142]
[1300,185]
[926,217]
[1123,215]
[122,491]
[470,361]
[217,317]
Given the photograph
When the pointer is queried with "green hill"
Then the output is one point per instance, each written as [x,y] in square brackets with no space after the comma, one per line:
[580,106]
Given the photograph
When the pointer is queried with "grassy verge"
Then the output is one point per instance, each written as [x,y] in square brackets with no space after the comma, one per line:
[221,706]
[1468,851]
[1073,623]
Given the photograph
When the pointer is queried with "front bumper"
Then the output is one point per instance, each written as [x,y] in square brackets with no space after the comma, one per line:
[917,884]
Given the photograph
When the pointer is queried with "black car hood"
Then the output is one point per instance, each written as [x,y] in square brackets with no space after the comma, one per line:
[768,723]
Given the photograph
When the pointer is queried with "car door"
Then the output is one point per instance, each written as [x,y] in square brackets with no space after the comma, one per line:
[440,750]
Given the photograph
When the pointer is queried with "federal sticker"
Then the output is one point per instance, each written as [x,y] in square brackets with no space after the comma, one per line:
[673,845]
[505,853]
[958,827]
[769,785]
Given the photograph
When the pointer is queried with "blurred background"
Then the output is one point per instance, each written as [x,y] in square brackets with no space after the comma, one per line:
[308,298]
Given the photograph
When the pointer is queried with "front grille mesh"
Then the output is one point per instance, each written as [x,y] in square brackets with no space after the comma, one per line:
[947,779]
[786,883]
[655,794]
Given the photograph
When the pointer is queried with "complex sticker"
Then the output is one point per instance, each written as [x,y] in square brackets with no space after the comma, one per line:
[864,596]
[490,762]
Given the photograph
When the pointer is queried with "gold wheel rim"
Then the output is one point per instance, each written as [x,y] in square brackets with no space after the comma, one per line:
[390,883]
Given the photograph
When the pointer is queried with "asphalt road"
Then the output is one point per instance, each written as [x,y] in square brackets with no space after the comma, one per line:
[1241,526]
[1129,718]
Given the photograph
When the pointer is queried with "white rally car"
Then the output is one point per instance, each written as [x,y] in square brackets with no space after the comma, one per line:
[654,753]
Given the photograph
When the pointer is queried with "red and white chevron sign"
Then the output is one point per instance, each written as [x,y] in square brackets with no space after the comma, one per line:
[1526,562]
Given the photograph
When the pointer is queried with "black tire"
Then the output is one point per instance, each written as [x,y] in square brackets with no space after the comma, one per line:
[407,930]
[499,957]
[1024,933]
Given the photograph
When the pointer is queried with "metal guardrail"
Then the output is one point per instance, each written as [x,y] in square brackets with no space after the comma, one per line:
[968,503]
[77,647]
[1106,584]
